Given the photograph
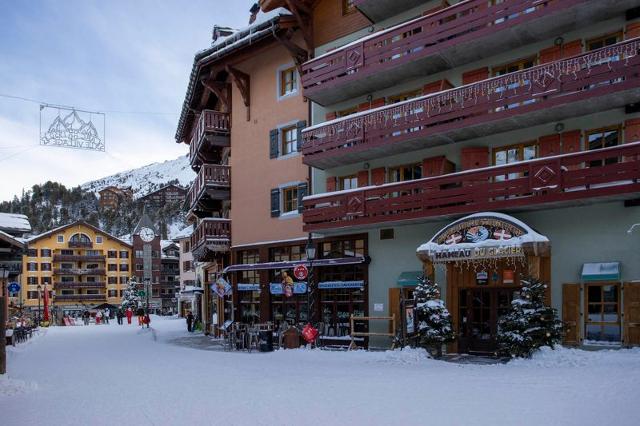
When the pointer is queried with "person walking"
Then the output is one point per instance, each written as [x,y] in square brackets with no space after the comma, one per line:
[140,314]
[85,317]
[129,314]
[98,317]
[119,316]
[107,315]
[189,322]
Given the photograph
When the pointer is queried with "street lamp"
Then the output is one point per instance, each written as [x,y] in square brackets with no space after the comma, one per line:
[310,250]
[39,292]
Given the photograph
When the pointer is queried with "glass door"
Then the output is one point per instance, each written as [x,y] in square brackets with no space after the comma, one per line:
[603,314]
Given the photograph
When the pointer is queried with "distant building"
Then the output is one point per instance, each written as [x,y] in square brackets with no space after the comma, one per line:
[188,294]
[12,246]
[166,195]
[112,196]
[169,275]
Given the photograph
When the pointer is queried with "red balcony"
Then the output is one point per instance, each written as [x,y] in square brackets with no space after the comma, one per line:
[80,244]
[211,185]
[211,236]
[458,35]
[592,82]
[211,132]
[600,175]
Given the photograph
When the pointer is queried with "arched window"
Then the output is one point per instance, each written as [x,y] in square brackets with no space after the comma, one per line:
[80,238]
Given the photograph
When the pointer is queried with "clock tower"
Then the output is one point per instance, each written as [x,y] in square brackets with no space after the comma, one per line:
[147,255]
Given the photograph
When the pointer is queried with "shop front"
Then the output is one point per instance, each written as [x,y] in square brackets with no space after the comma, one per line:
[485,256]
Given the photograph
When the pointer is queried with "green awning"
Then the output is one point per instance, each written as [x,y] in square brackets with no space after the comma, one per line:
[409,278]
[603,271]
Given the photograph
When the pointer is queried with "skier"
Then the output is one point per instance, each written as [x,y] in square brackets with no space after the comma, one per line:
[140,314]
[189,322]
[119,315]
[129,315]
[107,314]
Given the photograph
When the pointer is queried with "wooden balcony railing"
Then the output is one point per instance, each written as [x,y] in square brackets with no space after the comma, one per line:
[599,174]
[457,35]
[211,235]
[595,81]
[80,244]
[212,177]
[79,271]
[88,297]
[210,122]
[75,284]
[78,258]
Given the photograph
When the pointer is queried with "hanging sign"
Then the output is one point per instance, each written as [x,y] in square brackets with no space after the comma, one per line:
[300,272]
[507,276]
[329,285]
[482,278]
[248,287]
[221,287]
[13,287]
[297,288]
[72,128]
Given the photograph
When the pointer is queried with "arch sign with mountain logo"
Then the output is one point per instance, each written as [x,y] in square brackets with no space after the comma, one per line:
[72,128]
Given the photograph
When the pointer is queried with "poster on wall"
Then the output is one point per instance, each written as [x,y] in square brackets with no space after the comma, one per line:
[508,276]
[482,278]
[409,319]
[221,287]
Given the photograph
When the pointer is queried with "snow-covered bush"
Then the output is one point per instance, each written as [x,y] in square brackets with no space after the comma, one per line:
[433,319]
[530,324]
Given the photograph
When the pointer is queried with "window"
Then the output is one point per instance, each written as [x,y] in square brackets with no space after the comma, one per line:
[32,295]
[98,239]
[93,253]
[346,112]
[602,41]
[45,253]
[45,280]
[92,266]
[186,246]
[139,267]
[283,254]
[512,154]
[66,252]
[139,254]
[60,238]
[288,81]
[186,266]
[32,266]
[348,7]
[67,279]
[91,280]
[32,280]
[603,307]
[32,252]
[343,248]
[289,140]
[603,138]
[113,293]
[514,66]
[347,182]
[112,254]
[121,293]
[124,267]
[123,280]
[45,266]
[406,172]
[404,96]
[68,292]
[67,266]
[124,254]
[290,199]
[112,280]
[112,267]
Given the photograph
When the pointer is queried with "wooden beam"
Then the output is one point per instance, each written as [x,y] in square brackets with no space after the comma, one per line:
[220,89]
[298,54]
[243,83]
[303,14]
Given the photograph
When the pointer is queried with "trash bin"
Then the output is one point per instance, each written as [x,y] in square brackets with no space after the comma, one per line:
[266,341]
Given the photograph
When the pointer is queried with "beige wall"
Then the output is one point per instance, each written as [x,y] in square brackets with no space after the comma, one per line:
[253,173]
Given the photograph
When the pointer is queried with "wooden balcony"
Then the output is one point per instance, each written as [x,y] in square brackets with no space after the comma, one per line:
[211,132]
[377,10]
[80,297]
[78,258]
[211,236]
[586,177]
[592,82]
[211,185]
[80,244]
[79,271]
[75,284]
[458,35]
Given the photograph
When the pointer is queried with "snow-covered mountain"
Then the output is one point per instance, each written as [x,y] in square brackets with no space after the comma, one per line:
[148,178]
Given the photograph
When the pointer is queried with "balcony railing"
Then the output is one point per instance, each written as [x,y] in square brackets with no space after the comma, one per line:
[212,181]
[87,297]
[608,173]
[80,244]
[79,271]
[460,34]
[212,235]
[211,130]
[602,79]
[78,258]
[75,284]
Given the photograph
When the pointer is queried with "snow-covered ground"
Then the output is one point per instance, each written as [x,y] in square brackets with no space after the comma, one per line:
[101,375]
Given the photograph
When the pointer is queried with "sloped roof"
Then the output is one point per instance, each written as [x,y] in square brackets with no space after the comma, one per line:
[14,223]
[11,240]
[76,223]
[184,233]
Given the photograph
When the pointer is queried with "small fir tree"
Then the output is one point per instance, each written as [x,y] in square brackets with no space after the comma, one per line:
[530,324]
[433,319]
[130,299]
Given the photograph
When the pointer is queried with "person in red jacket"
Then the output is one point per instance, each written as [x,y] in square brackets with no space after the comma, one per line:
[129,314]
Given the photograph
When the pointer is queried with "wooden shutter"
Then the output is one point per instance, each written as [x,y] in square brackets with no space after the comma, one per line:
[631,313]
[475,75]
[549,145]
[572,48]
[436,166]
[474,157]
[571,313]
[632,30]
[299,126]
[436,86]
[377,176]
[394,306]
[363,178]
[631,134]
[275,202]
[550,54]
[330,116]
[302,192]
[273,143]
[331,183]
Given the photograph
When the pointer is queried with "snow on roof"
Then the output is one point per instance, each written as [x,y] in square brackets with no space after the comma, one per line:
[76,223]
[11,239]
[184,233]
[14,222]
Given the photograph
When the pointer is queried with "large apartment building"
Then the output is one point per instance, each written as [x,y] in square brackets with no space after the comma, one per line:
[496,140]
[79,265]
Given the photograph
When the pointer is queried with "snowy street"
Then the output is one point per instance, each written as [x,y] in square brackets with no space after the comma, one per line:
[121,375]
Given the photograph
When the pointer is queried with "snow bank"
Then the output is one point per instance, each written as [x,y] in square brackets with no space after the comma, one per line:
[12,387]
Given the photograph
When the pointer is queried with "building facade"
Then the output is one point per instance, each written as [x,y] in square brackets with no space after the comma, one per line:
[168,194]
[169,277]
[522,113]
[112,196]
[12,228]
[188,283]
[78,265]
[147,261]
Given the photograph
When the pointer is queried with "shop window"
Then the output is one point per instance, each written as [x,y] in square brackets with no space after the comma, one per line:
[603,138]
[288,81]
[347,182]
[292,309]
[289,140]
[603,313]
[249,305]
[337,305]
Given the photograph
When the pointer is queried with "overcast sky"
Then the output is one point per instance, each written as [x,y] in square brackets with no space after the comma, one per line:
[115,55]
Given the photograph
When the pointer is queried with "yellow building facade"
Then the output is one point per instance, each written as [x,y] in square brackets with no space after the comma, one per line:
[79,265]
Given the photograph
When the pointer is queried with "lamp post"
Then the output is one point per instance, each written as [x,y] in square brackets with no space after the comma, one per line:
[39,293]
[310,250]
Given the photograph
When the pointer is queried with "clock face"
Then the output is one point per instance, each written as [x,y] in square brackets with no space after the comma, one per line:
[147,234]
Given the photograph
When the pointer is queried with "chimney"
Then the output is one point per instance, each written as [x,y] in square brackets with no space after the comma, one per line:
[254,13]
[219,31]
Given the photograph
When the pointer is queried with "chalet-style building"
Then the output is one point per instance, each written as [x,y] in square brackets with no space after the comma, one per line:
[12,246]
[189,290]
[169,276]
[168,194]
[112,196]
[496,140]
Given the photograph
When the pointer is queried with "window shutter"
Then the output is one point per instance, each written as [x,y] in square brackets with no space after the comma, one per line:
[302,192]
[475,75]
[299,126]
[549,145]
[363,178]
[275,202]
[331,184]
[571,313]
[377,176]
[273,143]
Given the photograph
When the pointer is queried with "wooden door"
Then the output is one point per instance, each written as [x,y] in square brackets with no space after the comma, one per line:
[571,313]
[631,312]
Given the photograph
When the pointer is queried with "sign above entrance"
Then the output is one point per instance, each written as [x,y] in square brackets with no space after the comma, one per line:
[482,236]
[300,272]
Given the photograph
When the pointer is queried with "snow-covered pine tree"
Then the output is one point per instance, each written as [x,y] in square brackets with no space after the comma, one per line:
[130,299]
[530,324]
[433,318]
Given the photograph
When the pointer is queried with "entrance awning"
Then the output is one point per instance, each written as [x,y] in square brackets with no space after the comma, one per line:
[409,278]
[602,271]
[291,264]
